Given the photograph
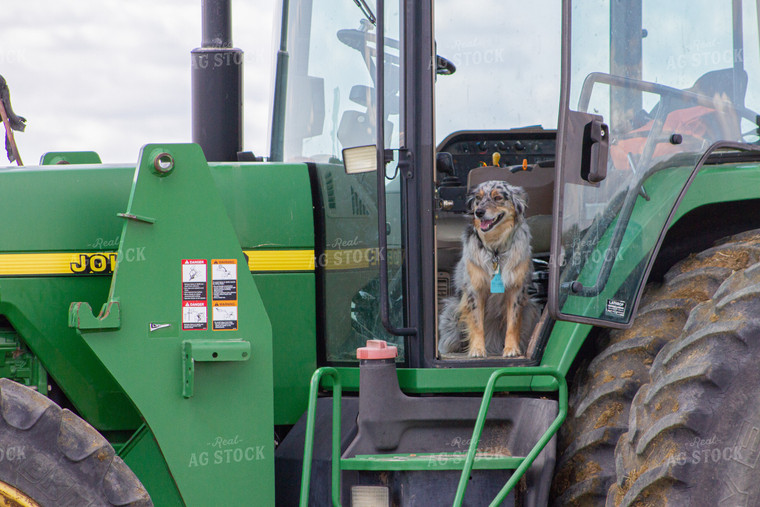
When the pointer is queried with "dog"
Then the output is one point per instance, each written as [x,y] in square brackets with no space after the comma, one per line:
[491,305]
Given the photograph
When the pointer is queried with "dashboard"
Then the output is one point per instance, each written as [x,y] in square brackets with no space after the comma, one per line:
[533,148]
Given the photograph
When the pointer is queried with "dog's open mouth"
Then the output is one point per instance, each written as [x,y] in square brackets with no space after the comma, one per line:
[487,225]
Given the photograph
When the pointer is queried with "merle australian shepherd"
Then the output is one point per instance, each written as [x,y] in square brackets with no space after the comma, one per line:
[491,309]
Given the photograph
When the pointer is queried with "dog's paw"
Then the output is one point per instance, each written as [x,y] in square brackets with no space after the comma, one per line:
[477,351]
[510,351]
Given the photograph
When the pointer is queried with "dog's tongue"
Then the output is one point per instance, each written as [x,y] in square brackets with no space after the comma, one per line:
[485,224]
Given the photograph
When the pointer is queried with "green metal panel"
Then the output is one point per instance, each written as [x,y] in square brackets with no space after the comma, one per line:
[143,457]
[290,304]
[218,443]
[269,204]
[36,308]
[62,208]
[715,184]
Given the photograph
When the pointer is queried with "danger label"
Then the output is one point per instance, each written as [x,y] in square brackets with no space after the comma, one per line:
[194,280]
[194,316]
[194,295]
[224,295]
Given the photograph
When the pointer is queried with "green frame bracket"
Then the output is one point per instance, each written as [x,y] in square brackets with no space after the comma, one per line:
[82,318]
[224,435]
[209,351]
[70,157]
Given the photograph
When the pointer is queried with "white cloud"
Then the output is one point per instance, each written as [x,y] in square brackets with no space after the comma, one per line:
[111,76]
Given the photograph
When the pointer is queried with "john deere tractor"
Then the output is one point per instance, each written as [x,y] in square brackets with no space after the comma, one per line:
[206,327]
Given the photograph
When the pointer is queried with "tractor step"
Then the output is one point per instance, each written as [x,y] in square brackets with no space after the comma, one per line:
[399,440]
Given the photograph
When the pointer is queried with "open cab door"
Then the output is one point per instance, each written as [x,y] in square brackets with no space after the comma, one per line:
[650,90]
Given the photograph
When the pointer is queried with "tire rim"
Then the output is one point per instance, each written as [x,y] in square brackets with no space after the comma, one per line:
[16,497]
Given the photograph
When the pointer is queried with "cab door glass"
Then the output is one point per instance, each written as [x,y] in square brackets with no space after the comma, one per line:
[667,80]
[330,105]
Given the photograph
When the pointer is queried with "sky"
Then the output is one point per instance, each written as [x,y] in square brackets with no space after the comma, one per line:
[111,76]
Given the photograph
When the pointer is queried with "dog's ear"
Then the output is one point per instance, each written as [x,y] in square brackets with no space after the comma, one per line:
[470,200]
[520,200]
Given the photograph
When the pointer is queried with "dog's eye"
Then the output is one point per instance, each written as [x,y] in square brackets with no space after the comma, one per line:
[498,198]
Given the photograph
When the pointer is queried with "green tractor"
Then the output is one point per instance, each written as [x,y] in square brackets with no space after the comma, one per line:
[266,332]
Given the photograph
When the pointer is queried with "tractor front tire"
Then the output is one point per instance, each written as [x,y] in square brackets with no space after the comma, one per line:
[601,393]
[694,433]
[50,456]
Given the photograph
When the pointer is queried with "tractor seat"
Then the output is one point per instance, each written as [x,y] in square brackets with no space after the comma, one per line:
[538,183]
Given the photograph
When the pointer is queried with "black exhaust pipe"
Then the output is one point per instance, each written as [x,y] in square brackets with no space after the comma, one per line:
[217,86]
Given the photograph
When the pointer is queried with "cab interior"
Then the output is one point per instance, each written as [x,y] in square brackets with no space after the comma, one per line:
[466,159]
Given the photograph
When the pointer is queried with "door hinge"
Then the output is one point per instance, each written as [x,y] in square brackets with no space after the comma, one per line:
[406,163]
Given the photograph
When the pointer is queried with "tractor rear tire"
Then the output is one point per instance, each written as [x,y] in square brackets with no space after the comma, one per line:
[50,456]
[694,433]
[601,393]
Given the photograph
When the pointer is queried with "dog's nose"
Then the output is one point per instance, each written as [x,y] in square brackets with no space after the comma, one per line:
[480,212]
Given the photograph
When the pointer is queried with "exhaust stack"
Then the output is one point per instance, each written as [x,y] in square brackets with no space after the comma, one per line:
[217,86]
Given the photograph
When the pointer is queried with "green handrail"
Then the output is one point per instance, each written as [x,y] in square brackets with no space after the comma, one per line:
[480,422]
[308,445]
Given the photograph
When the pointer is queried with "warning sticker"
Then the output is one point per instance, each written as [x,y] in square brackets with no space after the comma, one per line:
[225,317]
[224,294]
[194,295]
[194,316]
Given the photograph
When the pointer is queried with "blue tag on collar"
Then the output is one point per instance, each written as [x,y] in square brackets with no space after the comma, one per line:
[497,284]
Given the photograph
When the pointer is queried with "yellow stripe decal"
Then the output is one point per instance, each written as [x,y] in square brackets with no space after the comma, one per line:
[280,260]
[103,263]
[69,263]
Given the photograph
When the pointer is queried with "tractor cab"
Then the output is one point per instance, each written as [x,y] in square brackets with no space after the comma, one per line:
[483,103]
[473,96]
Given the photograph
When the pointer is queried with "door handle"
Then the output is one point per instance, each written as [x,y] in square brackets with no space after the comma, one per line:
[595,150]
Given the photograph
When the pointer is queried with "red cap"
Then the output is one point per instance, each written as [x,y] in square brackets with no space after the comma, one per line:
[377,349]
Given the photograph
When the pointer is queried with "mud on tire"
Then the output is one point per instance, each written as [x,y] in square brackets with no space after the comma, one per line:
[55,458]
[694,431]
[601,394]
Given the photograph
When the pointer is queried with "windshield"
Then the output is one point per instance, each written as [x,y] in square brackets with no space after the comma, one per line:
[670,79]
[506,75]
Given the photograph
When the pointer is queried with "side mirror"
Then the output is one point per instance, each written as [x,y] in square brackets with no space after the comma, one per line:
[360,159]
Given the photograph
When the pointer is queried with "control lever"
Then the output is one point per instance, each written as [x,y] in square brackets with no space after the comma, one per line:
[444,163]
